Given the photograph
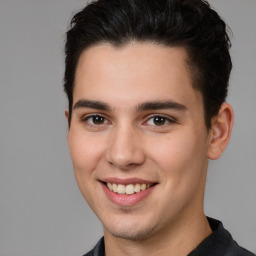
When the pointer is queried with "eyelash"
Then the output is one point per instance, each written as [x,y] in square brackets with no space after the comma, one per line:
[86,118]
[167,120]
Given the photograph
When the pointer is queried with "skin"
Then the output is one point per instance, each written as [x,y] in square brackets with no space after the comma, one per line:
[128,142]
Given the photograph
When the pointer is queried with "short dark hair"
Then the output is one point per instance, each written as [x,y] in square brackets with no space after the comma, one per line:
[190,24]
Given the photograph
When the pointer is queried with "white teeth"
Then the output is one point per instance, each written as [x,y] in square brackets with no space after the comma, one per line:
[110,186]
[114,186]
[120,189]
[137,188]
[129,189]
[143,187]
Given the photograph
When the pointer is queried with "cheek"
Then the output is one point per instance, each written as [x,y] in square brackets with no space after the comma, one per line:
[173,150]
[85,152]
[182,164]
[181,157]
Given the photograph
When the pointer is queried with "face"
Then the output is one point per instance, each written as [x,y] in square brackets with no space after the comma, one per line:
[138,139]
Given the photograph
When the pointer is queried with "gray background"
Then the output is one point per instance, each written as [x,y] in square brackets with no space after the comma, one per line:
[41,209]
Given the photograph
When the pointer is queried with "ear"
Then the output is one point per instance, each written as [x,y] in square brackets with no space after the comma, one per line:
[66,114]
[220,133]
[67,117]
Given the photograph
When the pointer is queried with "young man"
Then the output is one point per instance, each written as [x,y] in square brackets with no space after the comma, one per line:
[146,82]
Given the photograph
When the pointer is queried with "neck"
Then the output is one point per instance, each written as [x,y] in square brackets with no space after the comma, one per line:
[178,239]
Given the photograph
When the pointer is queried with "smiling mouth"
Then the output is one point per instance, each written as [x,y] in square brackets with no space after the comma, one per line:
[129,189]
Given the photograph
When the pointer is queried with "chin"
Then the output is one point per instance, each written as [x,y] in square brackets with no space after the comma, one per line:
[131,232]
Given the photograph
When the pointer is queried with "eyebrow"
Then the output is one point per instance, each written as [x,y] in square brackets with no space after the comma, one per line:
[157,105]
[149,105]
[91,104]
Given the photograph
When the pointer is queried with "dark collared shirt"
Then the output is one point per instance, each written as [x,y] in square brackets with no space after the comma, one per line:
[218,243]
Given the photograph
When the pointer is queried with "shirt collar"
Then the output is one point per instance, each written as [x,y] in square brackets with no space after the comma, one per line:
[217,243]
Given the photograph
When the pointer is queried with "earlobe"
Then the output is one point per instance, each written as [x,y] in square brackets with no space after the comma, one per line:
[221,128]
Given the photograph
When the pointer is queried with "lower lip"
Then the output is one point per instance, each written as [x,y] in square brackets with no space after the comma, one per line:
[126,200]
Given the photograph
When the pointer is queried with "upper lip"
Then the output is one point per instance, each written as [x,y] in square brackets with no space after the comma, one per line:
[127,181]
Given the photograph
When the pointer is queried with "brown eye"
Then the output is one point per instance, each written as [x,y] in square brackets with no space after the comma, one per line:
[159,120]
[95,120]
[98,120]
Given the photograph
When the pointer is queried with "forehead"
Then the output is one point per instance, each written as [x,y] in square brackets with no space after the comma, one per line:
[134,72]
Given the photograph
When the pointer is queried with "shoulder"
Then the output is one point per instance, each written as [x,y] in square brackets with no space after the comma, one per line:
[235,250]
[98,250]
[90,253]
[219,243]
[227,245]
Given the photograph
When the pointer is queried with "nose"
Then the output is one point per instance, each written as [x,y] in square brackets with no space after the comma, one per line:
[125,149]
